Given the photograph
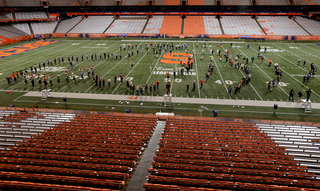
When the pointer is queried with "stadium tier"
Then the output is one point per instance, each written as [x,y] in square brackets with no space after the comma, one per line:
[69,152]
[273,2]
[65,3]
[209,2]
[280,26]
[210,155]
[158,2]
[127,26]
[133,2]
[68,24]
[102,2]
[30,15]
[23,27]
[307,2]
[44,27]
[19,3]
[242,25]
[212,25]
[171,2]
[12,31]
[312,26]
[171,25]
[154,24]
[237,2]
[194,25]
[195,2]
[93,24]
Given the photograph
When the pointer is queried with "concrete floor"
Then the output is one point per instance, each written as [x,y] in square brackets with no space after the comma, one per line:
[141,171]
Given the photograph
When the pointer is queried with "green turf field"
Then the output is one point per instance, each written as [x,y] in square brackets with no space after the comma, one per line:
[286,54]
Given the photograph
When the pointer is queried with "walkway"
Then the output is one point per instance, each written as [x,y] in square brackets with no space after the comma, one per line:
[141,172]
[174,99]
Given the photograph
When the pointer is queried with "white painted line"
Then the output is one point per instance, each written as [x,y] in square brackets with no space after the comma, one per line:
[198,80]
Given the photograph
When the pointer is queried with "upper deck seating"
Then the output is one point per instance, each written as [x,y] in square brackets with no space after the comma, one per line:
[31,15]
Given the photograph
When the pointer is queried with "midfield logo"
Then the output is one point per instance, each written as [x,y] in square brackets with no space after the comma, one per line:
[174,58]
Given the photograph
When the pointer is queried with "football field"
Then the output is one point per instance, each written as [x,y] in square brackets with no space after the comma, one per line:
[223,76]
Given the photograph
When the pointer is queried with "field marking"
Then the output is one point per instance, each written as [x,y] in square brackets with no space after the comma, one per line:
[264,72]
[63,72]
[29,61]
[250,82]
[195,61]
[130,71]
[220,74]
[292,76]
[155,67]
[115,66]
[307,53]
[40,71]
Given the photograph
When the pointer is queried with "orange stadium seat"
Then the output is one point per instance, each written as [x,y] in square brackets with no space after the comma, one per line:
[194,25]
[171,25]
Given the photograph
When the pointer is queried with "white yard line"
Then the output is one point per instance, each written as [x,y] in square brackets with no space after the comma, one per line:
[305,52]
[220,74]
[155,67]
[75,65]
[292,76]
[130,71]
[263,71]
[198,80]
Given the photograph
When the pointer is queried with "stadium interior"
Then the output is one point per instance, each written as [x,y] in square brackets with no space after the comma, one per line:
[43,149]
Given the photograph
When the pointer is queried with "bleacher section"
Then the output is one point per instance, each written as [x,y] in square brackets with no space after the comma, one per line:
[307,2]
[93,24]
[211,155]
[158,2]
[67,24]
[241,25]
[9,31]
[273,2]
[194,25]
[211,25]
[23,27]
[195,2]
[66,3]
[3,17]
[154,25]
[8,14]
[31,15]
[102,2]
[312,26]
[70,152]
[171,25]
[280,25]
[43,27]
[237,2]
[19,3]
[209,2]
[171,2]
[134,2]
[300,141]
[127,26]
